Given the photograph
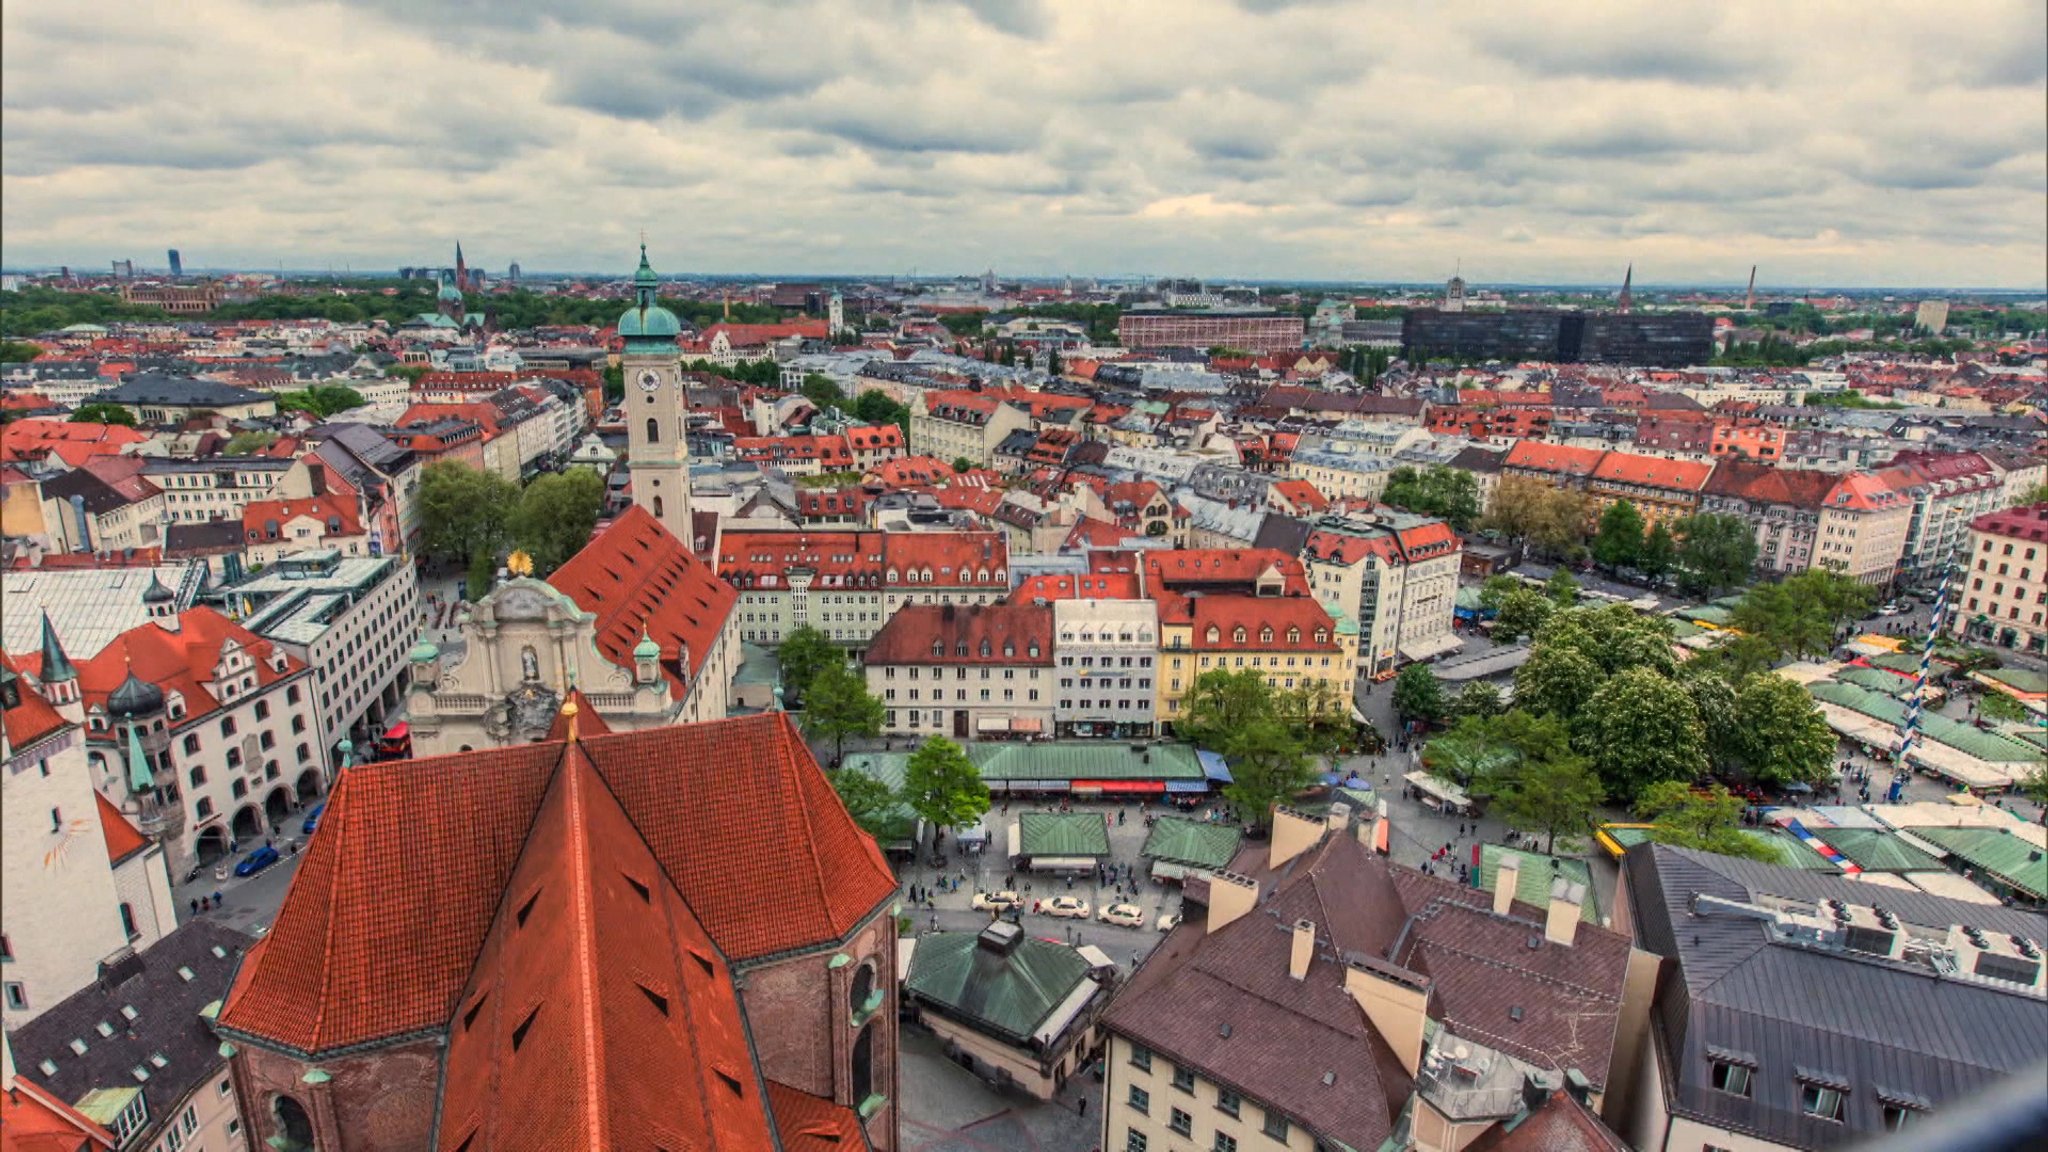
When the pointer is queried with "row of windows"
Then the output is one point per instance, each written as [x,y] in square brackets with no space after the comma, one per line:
[1121,661]
[939,695]
[1124,682]
[1224,662]
[1820,1101]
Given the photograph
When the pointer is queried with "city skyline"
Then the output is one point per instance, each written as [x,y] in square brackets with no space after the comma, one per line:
[1329,143]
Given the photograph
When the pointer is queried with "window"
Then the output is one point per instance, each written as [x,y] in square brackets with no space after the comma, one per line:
[1731,1078]
[192,747]
[227,727]
[1182,1123]
[1225,1143]
[1141,1058]
[1820,1101]
[1184,1078]
[204,808]
[1276,1125]
[263,709]
[1898,1116]
[17,996]
[1134,1140]
[1227,1102]
[1140,1100]
[197,775]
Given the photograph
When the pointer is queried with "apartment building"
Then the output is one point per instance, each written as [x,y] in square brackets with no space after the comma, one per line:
[84,887]
[1662,490]
[1108,650]
[1948,490]
[1291,641]
[1396,576]
[970,671]
[1340,473]
[848,584]
[103,505]
[1252,329]
[275,528]
[215,488]
[960,425]
[2005,595]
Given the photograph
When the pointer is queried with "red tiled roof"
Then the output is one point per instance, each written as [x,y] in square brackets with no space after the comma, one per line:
[1094,535]
[876,438]
[32,1120]
[639,578]
[389,912]
[1300,615]
[1538,456]
[2026,523]
[910,471]
[1559,1124]
[1003,634]
[181,661]
[827,451]
[809,1124]
[852,559]
[33,438]
[123,840]
[1188,568]
[1302,495]
[1770,483]
[1652,471]
[34,718]
[1096,586]
[266,520]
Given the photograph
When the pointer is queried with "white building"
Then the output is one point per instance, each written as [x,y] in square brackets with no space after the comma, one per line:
[968,671]
[1397,575]
[1108,651]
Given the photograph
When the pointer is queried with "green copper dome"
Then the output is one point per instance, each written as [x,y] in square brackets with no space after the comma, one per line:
[647,326]
[448,290]
[424,652]
[646,649]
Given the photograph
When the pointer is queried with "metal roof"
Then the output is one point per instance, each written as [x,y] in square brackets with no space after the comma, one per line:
[1997,852]
[88,606]
[1194,842]
[1886,1029]
[1062,834]
[1008,993]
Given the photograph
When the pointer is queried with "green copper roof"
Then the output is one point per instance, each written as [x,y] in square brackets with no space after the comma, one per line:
[1194,842]
[1532,882]
[424,652]
[57,667]
[1063,834]
[1009,993]
[647,326]
[646,649]
[1993,851]
[140,778]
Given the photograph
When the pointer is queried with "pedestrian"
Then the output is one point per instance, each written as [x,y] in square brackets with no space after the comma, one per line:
[195,906]
[1084,1099]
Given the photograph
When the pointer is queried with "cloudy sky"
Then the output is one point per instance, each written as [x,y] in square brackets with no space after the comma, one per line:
[1838,142]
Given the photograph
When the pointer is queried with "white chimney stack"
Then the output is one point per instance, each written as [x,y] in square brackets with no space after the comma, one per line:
[1566,899]
[1304,949]
[1505,883]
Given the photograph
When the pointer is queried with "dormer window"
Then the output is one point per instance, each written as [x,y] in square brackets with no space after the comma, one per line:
[1294,635]
[1237,634]
[1266,635]
[938,648]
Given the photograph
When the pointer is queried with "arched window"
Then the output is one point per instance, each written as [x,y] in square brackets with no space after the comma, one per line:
[294,1127]
[654,430]
[860,989]
[657,507]
[864,1066]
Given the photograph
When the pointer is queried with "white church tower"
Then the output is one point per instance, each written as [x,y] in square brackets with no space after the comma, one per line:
[657,407]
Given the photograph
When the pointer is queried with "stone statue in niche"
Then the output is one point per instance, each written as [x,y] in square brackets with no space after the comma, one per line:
[529,665]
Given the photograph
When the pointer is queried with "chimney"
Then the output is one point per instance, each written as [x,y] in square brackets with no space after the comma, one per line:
[1504,883]
[1230,896]
[1293,833]
[1562,924]
[1304,949]
[1340,815]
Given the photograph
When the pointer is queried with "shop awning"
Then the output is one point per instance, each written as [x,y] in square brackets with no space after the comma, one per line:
[1198,787]
[992,724]
[1161,870]
[1026,724]
[1213,766]
[1081,787]
[1130,787]
[1424,649]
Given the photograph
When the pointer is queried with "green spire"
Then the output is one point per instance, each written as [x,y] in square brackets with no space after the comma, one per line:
[140,778]
[57,667]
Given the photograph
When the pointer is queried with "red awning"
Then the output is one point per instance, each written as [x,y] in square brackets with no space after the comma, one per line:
[1129,787]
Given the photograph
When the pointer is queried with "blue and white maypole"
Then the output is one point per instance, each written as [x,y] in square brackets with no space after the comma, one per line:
[1909,728]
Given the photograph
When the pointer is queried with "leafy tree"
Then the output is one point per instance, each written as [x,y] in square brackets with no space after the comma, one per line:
[805,653]
[1317,714]
[872,804]
[2000,708]
[875,407]
[1640,727]
[245,443]
[18,351]
[103,414]
[1562,588]
[1619,541]
[1521,614]
[1268,766]
[1614,637]
[1052,362]
[1551,520]
[1221,702]
[321,401]
[964,323]
[476,581]
[1478,698]
[1659,552]
[2038,494]
[1707,819]
[943,786]
[820,390]
[1548,794]
[838,704]
[465,515]
[2034,785]
[1449,494]
[614,383]
[556,515]
[1557,680]
[1780,733]
[410,372]
[1799,616]
[1713,698]
[1714,552]
[1418,695]
[1495,591]
[962,464]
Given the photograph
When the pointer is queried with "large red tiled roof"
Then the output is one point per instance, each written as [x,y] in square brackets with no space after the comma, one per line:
[1299,616]
[1007,634]
[123,840]
[1653,471]
[33,1120]
[32,438]
[809,1124]
[853,559]
[1095,586]
[33,719]
[1189,568]
[1538,456]
[265,519]
[599,1013]
[2026,523]
[1770,483]
[181,661]
[384,923]
[639,578]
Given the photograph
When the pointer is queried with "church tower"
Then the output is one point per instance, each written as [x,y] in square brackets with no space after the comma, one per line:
[658,454]
[1625,303]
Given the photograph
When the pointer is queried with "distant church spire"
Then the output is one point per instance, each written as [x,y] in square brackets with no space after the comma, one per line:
[1749,299]
[461,269]
[1626,301]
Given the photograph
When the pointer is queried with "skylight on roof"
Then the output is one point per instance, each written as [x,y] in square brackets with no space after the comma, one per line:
[105,1028]
[49,1067]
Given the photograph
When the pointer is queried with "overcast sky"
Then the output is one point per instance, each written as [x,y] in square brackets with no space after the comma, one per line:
[1852,143]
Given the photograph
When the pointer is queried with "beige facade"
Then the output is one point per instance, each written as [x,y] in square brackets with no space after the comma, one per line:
[1146,1095]
[2003,598]
[1360,476]
[1862,544]
[128,525]
[936,435]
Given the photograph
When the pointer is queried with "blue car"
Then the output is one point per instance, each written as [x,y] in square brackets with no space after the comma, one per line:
[257,861]
[312,823]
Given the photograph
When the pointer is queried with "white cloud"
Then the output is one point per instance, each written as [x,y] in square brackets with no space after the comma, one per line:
[1833,141]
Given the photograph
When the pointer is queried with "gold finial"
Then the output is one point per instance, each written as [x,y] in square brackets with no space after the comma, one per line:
[519,564]
[569,712]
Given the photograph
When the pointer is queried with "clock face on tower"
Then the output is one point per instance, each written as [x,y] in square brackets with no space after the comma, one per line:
[649,380]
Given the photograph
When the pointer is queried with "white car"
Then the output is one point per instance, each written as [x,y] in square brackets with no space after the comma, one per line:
[1890,610]
[1064,907]
[997,901]
[1124,915]
[1168,921]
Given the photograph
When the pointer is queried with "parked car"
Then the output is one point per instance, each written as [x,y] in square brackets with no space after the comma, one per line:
[312,823]
[1889,610]
[997,901]
[1167,922]
[1123,915]
[257,861]
[1064,907]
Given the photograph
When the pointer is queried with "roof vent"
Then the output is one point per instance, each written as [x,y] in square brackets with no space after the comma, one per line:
[1223,1031]
[1329,1078]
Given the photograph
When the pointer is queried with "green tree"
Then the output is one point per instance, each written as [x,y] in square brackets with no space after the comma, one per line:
[1556,680]
[465,515]
[2038,494]
[321,401]
[245,443]
[2034,785]
[874,806]
[1714,552]
[1640,727]
[1780,734]
[1221,702]
[18,351]
[1548,794]
[1619,541]
[1478,698]
[556,515]
[1495,591]
[1418,695]
[964,323]
[1614,637]
[875,407]
[1551,520]
[1268,766]
[103,414]
[1713,698]
[1522,613]
[1799,615]
[614,383]
[1562,588]
[1318,716]
[410,372]
[943,786]
[962,464]
[2000,708]
[820,390]
[1707,819]
[1449,494]
[1659,552]
[804,653]
[838,704]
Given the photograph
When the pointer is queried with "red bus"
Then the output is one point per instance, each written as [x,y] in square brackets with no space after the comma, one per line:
[395,743]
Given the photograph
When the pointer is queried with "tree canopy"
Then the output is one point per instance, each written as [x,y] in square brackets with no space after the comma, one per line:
[103,414]
[804,653]
[1449,494]
[1522,612]
[943,786]
[556,515]
[1708,819]
[1418,695]
[1780,734]
[1237,715]
[1799,615]
[837,704]
[1715,552]
[1641,728]
[321,400]
[1550,519]
[873,805]
[465,515]
[1619,541]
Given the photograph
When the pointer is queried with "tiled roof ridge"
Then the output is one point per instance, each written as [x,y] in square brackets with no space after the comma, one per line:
[573,769]
[1495,962]
[810,839]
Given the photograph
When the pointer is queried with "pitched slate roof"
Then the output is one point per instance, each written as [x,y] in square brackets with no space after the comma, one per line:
[1884,1028]
[392,903]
